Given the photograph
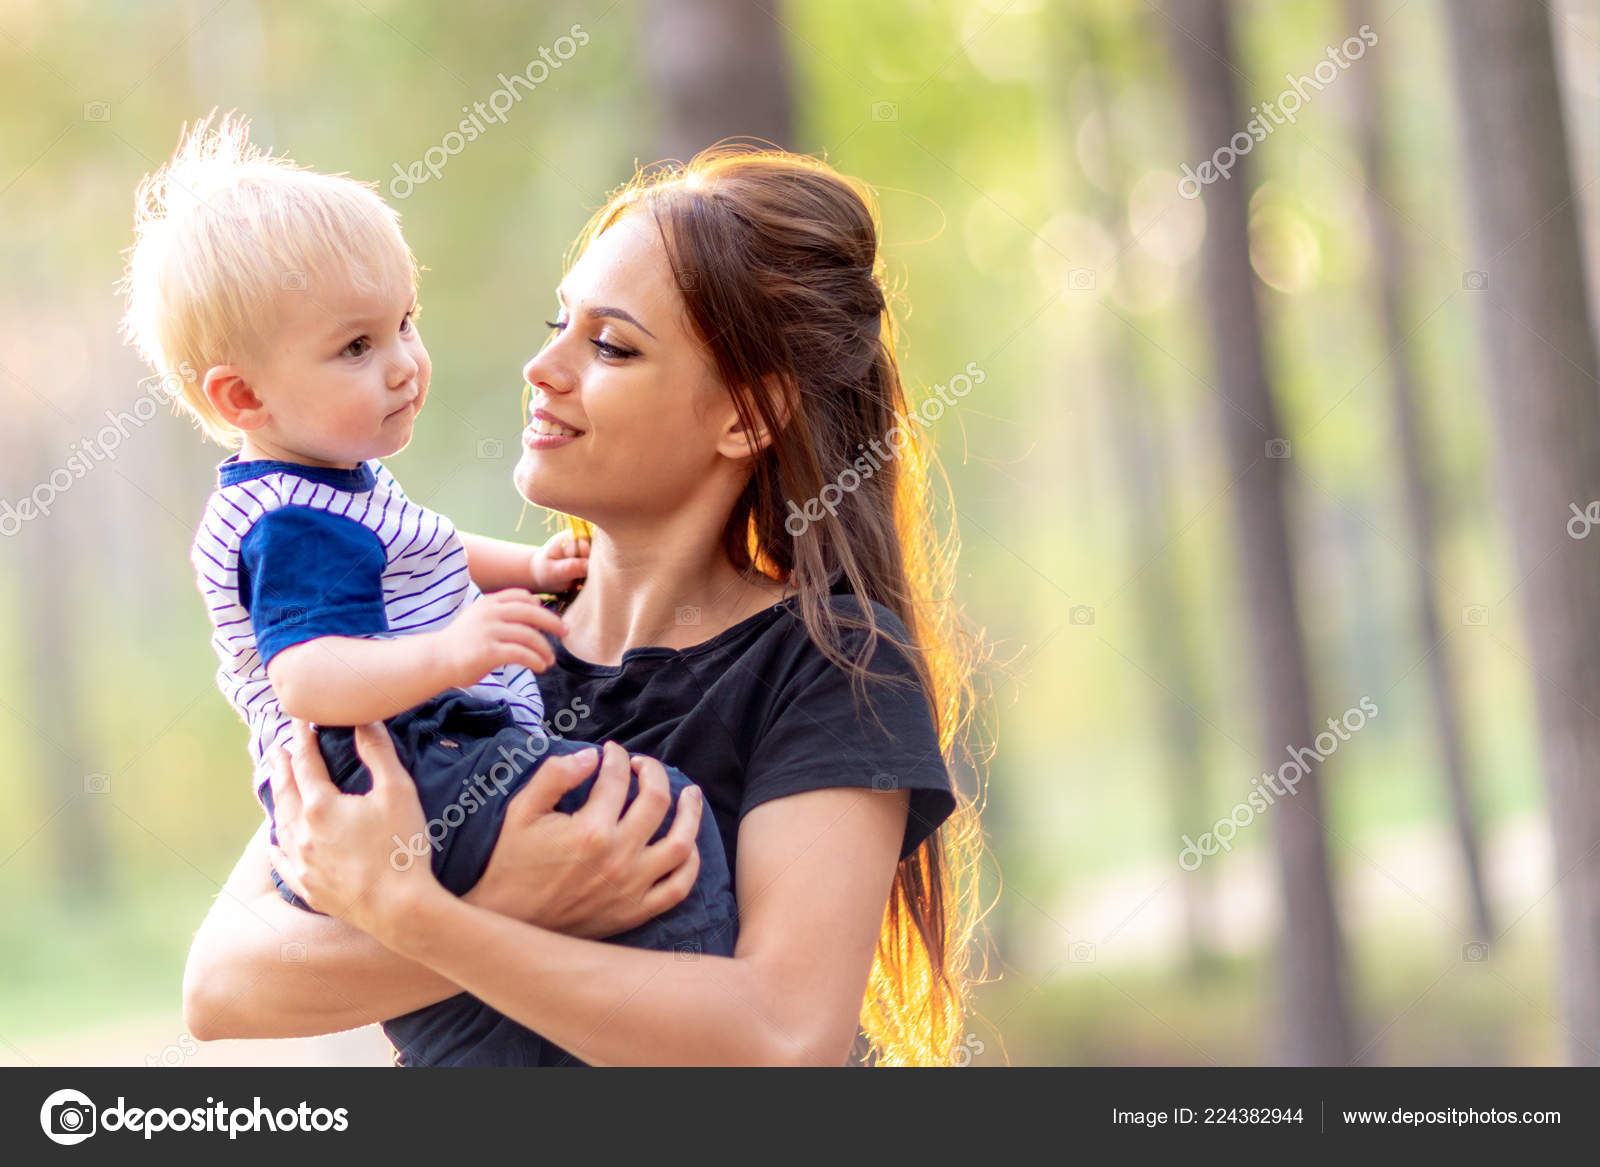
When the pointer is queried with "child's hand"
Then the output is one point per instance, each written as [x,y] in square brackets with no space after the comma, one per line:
[500,628]
[559,563]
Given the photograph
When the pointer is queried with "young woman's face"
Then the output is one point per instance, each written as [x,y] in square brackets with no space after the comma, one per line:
[626,406]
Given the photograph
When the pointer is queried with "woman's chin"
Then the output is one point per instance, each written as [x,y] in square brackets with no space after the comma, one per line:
[535,483]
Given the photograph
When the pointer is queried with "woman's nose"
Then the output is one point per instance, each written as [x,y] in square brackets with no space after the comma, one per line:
[541,372]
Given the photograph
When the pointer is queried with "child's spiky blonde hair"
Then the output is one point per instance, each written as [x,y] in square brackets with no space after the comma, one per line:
[222,233]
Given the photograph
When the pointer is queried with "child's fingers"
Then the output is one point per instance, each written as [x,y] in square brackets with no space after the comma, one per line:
[510,634]
[519,604]
[570,569]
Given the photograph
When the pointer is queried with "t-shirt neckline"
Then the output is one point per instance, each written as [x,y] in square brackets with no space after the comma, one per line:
[359,478]
[573,663]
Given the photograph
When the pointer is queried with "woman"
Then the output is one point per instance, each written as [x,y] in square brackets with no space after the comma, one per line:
[721,365]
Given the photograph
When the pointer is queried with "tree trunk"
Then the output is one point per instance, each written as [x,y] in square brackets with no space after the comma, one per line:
[73,799]
[1139,442]
[718,69]
[1388,247]
[1542,372]
[1315,1028]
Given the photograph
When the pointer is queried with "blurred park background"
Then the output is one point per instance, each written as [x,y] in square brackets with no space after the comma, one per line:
[1238,464]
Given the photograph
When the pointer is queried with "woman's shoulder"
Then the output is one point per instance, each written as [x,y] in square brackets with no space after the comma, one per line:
[855,619]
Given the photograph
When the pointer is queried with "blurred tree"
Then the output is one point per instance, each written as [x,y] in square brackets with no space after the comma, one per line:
[718,69]
[1542,371]
[1388,249]
[1315,1020]
[1143,455]
[54,655]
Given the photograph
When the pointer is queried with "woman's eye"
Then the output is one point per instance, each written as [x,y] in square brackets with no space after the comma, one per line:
[555,325]
[611,352]
[356,347]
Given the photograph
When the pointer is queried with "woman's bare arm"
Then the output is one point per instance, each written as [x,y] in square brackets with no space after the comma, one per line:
[261,967]
[814,875]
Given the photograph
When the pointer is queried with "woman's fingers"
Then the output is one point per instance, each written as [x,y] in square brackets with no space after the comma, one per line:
[285,794]
[610,789]
[671,891]
[553,778]
[680,843]
[285,868]
[375,747]
[312,785]
[650,806]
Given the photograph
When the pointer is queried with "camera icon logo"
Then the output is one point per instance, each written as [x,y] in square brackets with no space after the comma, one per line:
[1476,951]
[491,449]
[1080,279]
[885,111]
[97,111]
[294,617]
[1081,952]
[1081,614]
[1474,281]
[1278,448]
[688,950]
[67,1117]
[686,614]
[293,952]
[97,784]
[293,281]
[688,279]
[884,783]
[1474,615]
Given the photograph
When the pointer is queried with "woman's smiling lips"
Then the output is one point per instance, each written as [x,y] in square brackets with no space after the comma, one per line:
[546,432]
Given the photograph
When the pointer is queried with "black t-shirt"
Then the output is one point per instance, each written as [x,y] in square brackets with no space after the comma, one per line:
[757,712]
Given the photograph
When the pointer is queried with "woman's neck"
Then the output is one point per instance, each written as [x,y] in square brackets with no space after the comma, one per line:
[662,588]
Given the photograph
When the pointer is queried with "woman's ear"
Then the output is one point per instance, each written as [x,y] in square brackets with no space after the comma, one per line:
[233,397]
[739,441]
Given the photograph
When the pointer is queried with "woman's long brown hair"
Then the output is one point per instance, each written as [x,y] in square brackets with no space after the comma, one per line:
[776,256]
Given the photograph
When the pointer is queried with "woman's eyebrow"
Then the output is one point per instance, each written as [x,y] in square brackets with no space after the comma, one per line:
[609,313]
[620,314]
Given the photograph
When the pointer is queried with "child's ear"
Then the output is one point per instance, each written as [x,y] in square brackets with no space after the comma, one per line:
[739,442]
[233,398]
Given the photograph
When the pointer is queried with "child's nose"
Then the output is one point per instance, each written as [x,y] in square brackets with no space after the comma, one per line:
[402,370]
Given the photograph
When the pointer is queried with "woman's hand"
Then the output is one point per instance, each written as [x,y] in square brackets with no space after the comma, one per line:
[593,873]
[346,854]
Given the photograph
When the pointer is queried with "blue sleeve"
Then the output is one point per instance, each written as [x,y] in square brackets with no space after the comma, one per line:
[305,573]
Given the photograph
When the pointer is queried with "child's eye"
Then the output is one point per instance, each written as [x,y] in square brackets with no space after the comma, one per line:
[405,324]
[356,347]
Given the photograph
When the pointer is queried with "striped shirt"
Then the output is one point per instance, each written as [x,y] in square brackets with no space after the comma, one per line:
[288,553]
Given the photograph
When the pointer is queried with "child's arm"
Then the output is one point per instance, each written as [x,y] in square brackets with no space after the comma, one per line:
[346,680]
[498,563]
